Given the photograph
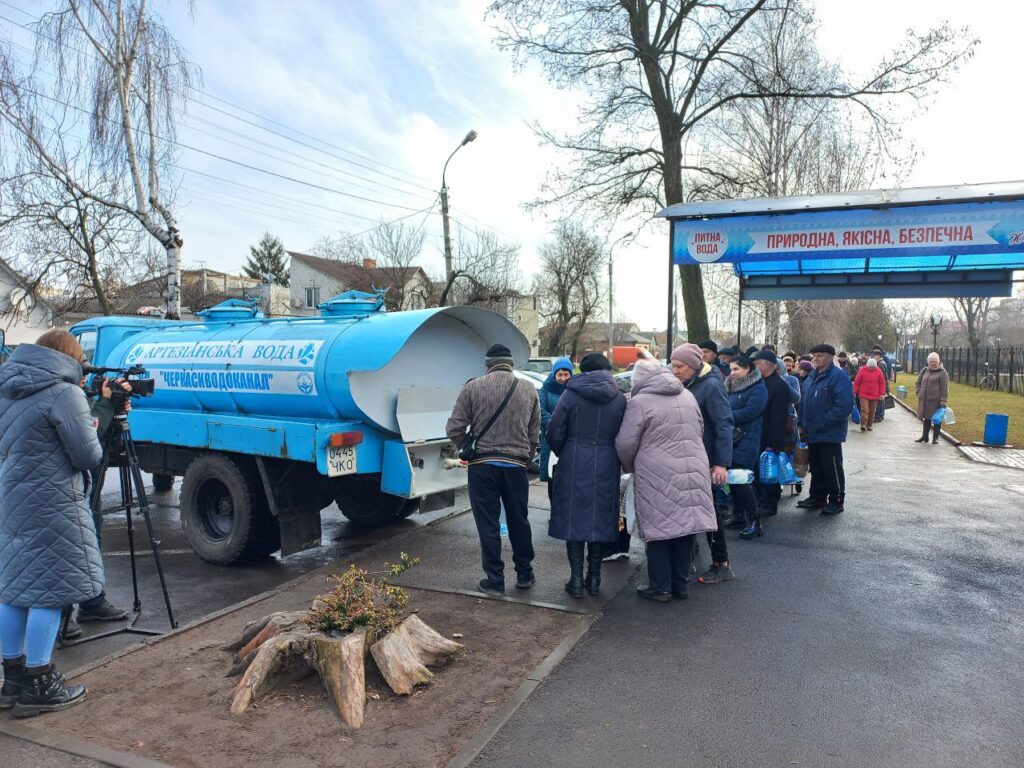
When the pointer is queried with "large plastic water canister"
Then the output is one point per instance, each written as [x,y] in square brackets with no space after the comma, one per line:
[997,427]
[348,364]
[901,392]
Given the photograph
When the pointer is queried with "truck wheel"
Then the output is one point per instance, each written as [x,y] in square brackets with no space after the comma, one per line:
[224,512]
[162,483]
[366,505]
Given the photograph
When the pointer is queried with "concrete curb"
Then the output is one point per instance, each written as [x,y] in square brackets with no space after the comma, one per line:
[78,747]
[472,748]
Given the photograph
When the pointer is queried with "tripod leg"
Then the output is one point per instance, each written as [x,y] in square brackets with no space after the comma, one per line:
[140,488]
[127,500]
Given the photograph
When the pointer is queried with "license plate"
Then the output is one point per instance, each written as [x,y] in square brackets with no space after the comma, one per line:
[341,461]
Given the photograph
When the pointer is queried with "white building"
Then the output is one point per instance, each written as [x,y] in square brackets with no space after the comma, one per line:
[314,280]
[27,322]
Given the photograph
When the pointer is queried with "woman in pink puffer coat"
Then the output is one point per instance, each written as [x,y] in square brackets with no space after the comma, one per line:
[660,442]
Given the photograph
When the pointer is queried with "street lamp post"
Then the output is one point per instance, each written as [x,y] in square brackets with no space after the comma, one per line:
[936,324]
[611,321]
[444,209]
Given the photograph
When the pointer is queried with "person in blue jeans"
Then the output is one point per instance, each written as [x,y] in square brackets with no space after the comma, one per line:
[49,557]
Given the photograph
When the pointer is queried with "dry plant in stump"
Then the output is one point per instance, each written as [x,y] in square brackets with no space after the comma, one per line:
[334,638]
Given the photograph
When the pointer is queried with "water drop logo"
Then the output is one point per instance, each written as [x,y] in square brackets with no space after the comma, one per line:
[135,354]
[305,383]
[306,354]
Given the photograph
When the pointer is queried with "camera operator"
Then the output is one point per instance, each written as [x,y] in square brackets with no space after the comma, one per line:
[50,560]
[99,608]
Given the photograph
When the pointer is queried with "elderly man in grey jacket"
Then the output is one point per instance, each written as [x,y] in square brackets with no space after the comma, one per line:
[497,471]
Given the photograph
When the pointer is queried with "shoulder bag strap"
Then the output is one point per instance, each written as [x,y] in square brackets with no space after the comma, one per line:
[497,413]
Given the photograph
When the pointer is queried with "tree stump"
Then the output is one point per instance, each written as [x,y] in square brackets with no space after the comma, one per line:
[285,658]
[280,649]
[403,655]
[341,662]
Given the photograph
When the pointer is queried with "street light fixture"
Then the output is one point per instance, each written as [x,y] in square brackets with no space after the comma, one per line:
[936,324]
[471,136]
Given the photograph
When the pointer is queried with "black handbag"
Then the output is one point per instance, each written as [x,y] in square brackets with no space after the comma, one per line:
[890,402]
[468,450]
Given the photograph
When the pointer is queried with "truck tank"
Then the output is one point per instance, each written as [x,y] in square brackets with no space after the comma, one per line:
[349,364]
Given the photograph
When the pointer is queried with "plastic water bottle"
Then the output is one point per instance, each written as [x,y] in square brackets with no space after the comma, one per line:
[503,522]
[739,477]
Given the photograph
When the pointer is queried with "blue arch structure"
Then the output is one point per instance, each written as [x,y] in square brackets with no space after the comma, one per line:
[924,242]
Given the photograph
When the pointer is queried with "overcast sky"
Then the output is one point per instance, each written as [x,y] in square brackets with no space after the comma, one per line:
[382,91]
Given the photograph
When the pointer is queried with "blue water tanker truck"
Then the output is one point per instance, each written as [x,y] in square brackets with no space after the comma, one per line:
[269,421]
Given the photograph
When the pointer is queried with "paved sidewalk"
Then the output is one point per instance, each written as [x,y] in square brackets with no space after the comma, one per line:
[889,635]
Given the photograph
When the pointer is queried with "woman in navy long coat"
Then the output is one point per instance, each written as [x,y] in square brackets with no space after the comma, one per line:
[585,500]
[748,398]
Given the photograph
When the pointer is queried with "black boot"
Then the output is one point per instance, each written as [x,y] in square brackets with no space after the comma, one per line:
[936,431]
[574,586]
[43,690]
[752,531]
[593,580]
[924,435]
[14,675]
[735,521]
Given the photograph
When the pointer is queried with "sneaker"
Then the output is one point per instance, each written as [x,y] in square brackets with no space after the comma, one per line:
[490,589]
[101,609]
[716,574]
[832,509]
[525,582]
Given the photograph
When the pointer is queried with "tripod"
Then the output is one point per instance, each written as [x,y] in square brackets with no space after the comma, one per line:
[120,451]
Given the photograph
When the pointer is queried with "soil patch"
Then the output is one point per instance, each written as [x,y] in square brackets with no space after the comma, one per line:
[169,701]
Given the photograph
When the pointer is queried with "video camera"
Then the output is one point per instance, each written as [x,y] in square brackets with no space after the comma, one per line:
[139,387]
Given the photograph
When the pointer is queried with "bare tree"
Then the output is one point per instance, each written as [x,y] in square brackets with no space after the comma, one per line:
[121,69]
[485,270]
[972,312]
[351,249]
[397,248]
[568,285]
[656,70]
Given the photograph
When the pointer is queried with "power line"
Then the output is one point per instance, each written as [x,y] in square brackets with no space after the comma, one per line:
[250,112]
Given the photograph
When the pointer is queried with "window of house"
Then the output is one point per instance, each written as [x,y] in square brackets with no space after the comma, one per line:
[312,297]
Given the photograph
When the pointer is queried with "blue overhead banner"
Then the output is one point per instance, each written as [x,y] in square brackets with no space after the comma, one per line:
[926,237]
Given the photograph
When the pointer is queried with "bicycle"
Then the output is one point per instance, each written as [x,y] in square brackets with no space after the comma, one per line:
[988,381]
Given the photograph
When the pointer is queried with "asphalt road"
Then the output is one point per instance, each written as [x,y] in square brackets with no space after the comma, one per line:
[890,635]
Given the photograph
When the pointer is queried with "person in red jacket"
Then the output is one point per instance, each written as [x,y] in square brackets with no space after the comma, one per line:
[868,388]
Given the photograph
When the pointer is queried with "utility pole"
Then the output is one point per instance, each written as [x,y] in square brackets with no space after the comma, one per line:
[611,322]
[448,269]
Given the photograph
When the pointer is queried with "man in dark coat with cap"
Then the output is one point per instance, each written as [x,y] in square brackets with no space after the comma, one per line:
[824,415]
[497,473]
[773,424]
[709,351]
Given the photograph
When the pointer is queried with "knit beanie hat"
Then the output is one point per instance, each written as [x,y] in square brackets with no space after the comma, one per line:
[709,345]
[689,355]
[805,365]
[594,361]
[498,354]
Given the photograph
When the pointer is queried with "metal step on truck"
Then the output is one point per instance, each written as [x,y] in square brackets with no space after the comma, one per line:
[271,420]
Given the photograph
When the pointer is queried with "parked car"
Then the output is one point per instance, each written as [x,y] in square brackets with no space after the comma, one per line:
[540,364]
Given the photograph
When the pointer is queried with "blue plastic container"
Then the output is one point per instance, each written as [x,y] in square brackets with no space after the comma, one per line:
[997,426]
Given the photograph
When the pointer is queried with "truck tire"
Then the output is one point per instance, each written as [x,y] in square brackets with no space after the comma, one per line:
[367,506]
[224,512]
[162,483]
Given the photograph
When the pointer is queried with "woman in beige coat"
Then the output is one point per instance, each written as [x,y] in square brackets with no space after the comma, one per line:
[932,389]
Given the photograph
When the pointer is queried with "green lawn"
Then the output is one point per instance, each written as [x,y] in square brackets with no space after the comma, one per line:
[970,405]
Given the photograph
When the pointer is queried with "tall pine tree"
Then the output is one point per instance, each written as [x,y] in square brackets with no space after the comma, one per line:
[268,258]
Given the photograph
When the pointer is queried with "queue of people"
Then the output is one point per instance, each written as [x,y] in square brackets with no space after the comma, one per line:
[679,431]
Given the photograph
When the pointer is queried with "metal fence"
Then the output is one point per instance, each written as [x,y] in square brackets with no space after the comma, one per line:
[1001,367]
